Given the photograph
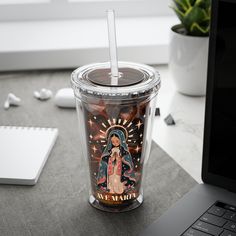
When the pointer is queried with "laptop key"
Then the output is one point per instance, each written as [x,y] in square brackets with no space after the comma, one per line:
[215,220]
[230,215]
[231,208]
[194,232]
[231,226]
[207,228]
[218,211]
[228,233]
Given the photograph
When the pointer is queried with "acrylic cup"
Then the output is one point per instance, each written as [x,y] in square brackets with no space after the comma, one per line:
[115,124]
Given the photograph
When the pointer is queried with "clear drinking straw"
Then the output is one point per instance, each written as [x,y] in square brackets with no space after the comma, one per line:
[112,46]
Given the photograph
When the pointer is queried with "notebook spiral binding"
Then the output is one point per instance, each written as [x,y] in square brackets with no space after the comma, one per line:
[26,127]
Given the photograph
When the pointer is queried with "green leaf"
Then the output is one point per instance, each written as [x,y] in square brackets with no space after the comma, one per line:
[205,23]
[198,30]
[187,3]
[194,14]
[208,10]
[181,5]
[192,2]
[178,13]
[203,3]
[207,16]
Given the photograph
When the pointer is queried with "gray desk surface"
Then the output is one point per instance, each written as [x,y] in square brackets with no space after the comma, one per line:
[57,204]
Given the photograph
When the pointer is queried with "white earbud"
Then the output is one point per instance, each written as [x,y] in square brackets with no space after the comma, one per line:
[12,100]
[43,94]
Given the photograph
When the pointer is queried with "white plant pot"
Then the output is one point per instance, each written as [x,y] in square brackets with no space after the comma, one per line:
[188,62]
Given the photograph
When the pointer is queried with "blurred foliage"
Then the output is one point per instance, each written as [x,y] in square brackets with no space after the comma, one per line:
[194,15]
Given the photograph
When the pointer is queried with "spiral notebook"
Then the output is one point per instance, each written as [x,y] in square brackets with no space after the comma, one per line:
[24,152]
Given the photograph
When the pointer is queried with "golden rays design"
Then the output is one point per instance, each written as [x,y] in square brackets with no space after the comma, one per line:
[104,125]
[129,124]
[119,127]
[137,149]
[131,130]
[94,148]
[124,122]
[128,127]
[90,122]
[139,124]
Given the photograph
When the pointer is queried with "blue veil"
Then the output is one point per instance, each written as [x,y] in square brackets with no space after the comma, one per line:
[128,174]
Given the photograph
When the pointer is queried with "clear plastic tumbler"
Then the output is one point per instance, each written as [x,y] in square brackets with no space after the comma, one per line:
[115,124]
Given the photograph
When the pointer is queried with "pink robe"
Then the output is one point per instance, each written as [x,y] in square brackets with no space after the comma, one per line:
[114,176]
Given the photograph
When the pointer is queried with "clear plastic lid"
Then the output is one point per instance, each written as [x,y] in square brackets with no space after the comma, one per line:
[134,80]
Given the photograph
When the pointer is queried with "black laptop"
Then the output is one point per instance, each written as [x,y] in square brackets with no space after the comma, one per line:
[210,208]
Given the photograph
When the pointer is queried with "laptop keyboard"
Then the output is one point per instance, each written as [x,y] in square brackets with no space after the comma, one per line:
[218,220]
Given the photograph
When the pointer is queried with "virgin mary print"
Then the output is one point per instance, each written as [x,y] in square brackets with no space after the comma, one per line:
[116,169]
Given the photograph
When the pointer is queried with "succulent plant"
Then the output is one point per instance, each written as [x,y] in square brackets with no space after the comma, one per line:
[194,16]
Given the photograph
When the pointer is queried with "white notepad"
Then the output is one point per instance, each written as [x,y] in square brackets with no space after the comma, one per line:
[23,153]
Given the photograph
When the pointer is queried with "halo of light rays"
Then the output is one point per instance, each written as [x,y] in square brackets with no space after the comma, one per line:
[104,125]
[112,127]
[128,127]
[101,128]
